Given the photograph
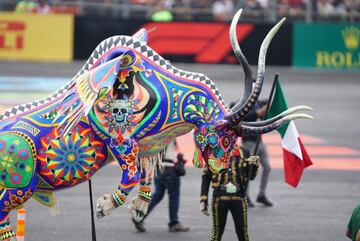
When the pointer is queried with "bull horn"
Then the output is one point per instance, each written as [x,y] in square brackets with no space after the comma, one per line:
[275,118]
[240,111]
[258,130]
[249,79]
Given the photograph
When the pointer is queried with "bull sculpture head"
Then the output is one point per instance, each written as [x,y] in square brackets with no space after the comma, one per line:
[215,138]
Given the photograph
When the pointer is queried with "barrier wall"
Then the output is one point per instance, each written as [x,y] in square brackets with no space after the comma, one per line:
[330,46]
[63,38]
[36,37]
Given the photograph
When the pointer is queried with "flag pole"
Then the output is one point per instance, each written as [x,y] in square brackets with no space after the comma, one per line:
[266,111]
[93,231]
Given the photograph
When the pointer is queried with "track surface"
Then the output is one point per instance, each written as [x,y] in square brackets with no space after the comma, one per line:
[318,209]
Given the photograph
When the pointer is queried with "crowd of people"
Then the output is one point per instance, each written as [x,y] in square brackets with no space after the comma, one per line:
[207,10]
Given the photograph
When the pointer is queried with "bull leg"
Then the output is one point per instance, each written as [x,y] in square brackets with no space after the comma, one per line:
[6,231]
[11,199]
[139,204]
[126,156]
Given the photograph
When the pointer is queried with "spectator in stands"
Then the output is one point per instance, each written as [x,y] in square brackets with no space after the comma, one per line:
[42,7]
[325,8]
[253,8]
[200,4]
[291,8]
[143,2]
[162,14]
[222,10]
[180,9]
[264,3]
[252,5]
[338,8]
[25,6]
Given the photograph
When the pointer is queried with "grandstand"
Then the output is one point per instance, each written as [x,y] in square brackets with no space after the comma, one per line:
[203,10]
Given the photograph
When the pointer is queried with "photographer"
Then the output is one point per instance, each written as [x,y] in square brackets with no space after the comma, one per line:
[168,178]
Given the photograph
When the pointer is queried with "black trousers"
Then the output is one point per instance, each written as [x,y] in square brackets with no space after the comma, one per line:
[238,207]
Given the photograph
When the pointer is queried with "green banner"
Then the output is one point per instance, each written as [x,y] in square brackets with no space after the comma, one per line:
[326,45]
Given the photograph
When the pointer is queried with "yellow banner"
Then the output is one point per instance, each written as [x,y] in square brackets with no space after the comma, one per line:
[36,37]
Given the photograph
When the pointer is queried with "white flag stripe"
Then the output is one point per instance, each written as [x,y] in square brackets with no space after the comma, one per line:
[290,140]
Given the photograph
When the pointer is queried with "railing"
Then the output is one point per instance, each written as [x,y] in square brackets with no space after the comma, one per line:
[126,9]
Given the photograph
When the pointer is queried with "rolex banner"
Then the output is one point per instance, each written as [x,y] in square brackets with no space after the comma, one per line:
[326,45]
[296,158]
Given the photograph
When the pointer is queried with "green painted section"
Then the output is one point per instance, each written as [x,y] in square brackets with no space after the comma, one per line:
[16,161]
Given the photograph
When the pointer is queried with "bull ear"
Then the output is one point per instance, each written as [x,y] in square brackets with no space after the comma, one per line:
[220,124]
[200,110]
[198,159]
[80,97]
[141,35]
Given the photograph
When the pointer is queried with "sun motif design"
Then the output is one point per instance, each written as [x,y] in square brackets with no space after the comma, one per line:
[72,159]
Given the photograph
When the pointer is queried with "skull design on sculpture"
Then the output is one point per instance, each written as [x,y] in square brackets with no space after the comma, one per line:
[121,111]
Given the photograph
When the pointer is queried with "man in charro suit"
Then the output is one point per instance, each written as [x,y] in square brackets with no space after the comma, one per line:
[229,193]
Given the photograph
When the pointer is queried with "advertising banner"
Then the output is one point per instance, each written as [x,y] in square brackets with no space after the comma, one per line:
[36,37]
[194,42]
[326,45]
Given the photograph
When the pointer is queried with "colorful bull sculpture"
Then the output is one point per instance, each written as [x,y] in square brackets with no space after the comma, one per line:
[125,105]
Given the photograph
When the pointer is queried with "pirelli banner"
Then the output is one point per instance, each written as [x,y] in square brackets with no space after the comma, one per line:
[36,37]
[326,45]
[198,42]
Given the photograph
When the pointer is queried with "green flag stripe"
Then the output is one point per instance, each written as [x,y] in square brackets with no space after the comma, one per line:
[278,105]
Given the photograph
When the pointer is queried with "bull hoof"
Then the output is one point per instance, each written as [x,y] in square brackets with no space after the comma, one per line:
[104,206]
[138,208]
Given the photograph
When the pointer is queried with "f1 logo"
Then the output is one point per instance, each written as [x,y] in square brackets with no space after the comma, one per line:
[11,35]
[207,42]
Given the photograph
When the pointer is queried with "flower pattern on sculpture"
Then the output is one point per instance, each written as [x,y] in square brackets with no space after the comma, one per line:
[67,160]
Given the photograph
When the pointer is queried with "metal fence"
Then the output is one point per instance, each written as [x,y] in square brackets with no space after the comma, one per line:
[308,10]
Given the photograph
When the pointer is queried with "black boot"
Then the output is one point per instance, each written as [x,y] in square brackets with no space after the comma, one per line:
[264,200]
[139,225]
[250,203]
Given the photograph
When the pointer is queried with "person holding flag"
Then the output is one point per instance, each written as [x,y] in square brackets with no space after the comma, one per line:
[254,143]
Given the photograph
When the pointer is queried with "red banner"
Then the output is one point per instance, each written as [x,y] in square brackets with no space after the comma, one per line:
[207,42]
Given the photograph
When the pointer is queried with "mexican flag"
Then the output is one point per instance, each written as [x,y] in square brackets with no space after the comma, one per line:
[295,155]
